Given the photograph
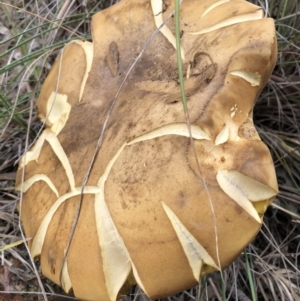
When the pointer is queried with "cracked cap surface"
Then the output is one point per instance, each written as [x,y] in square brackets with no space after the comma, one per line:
[146,216]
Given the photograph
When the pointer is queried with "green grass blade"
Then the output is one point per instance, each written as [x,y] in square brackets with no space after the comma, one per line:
[178,53]
[250,278]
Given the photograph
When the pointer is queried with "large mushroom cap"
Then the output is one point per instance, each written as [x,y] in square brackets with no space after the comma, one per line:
[150,214]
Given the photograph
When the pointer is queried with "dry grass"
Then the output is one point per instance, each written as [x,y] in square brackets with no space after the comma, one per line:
[30,44]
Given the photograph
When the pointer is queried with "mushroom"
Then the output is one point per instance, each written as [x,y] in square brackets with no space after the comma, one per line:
[151,213]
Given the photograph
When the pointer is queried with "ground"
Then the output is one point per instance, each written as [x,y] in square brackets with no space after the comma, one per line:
[269,267]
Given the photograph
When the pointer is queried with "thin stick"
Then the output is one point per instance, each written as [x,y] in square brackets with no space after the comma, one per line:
[187,118]
[101,138]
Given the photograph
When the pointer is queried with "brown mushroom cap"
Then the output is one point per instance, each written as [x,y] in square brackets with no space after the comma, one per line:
[146,215]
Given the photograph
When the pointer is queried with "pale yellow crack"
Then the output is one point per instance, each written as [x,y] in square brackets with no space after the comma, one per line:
[257,15]
[210,8]
[89,53]
[157,9]
[117,263]
[252,78]
[223,135]
[39,238]
[115,256]
[34,154]
[35,151]
[179,129]
[58,111]
[193,250]
[63,158]
[244,190]
[37,177]
[65,278]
